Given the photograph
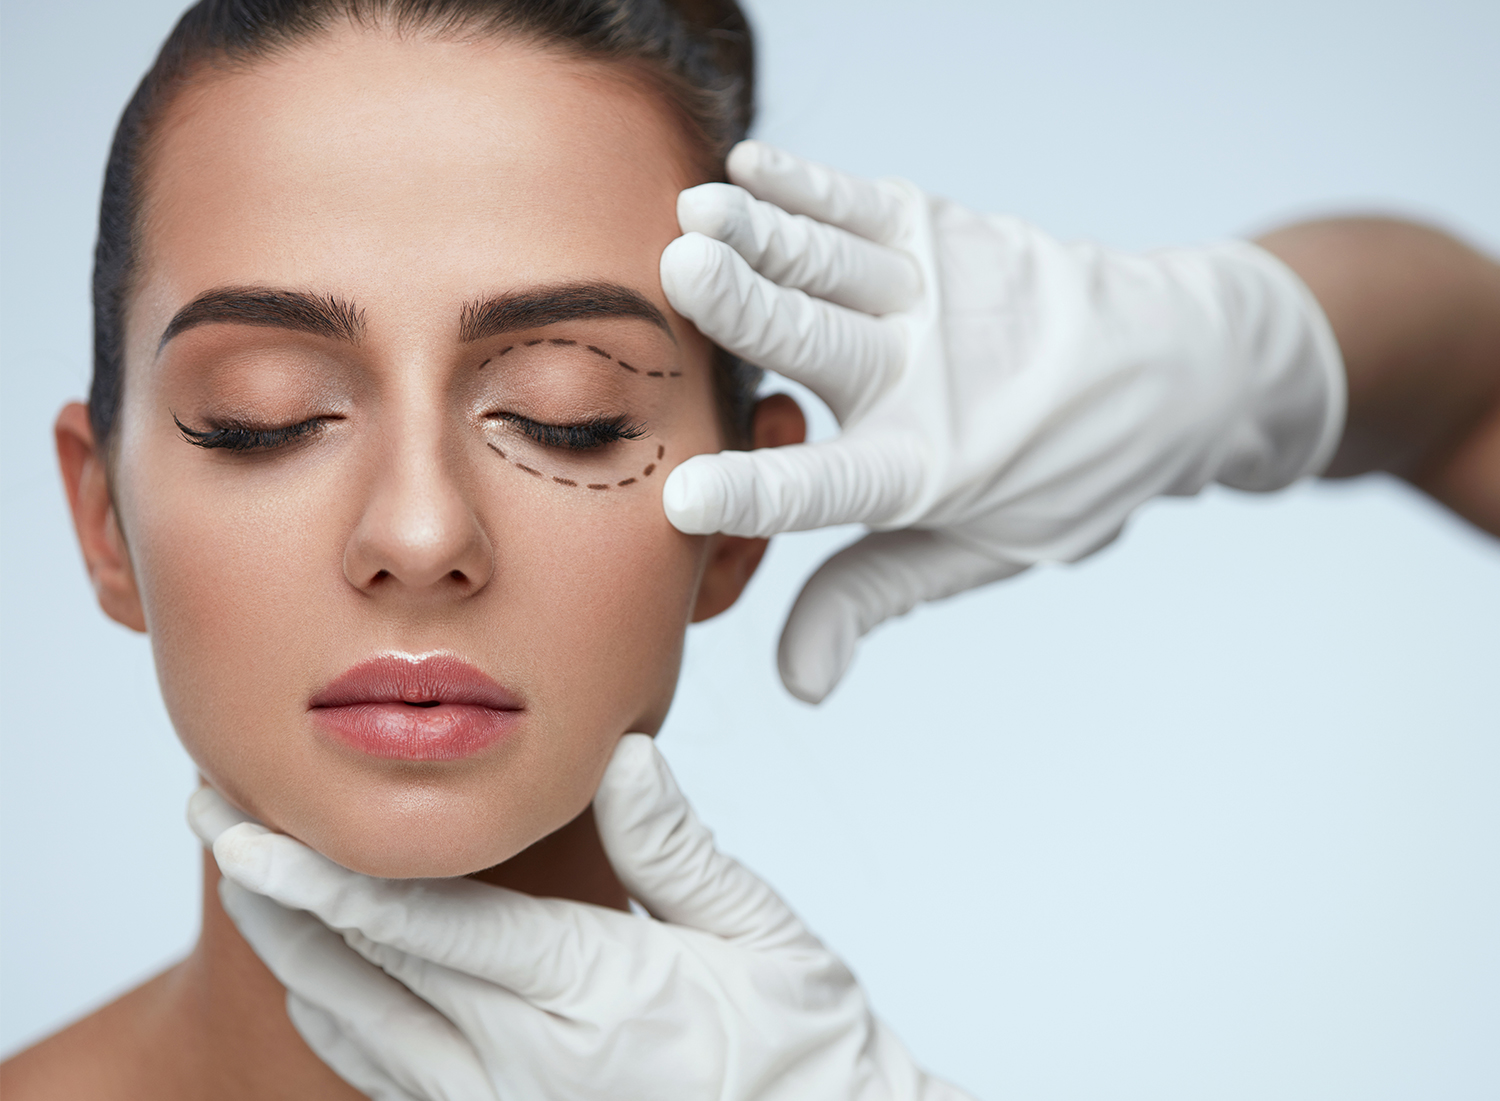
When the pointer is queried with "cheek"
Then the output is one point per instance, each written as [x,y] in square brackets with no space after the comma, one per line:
[595,596]
[236,577]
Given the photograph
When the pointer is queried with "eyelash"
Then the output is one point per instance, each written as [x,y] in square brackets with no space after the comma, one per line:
[587,436]
[238,436]
[241,437]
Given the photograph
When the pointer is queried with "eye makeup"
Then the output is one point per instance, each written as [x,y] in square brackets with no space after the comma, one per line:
[589,435]
[239,436]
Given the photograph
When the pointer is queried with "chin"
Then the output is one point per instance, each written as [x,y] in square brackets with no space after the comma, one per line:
[422,832]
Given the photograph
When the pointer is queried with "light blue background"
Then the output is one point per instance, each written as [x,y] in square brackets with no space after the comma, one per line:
[1214,814]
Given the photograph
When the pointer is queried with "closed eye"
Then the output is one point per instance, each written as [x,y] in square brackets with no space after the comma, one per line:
[240,436]
[585,436]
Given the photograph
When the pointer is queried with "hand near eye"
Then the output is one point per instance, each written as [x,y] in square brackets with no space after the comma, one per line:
[452,989]
[1005,399]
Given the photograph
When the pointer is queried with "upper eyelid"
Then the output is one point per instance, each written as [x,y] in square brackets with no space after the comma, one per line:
[215,437]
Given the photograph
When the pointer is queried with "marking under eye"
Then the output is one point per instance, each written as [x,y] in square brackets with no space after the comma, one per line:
[627,367]
[533,343]
[560,340]
[570,483]
[599,351]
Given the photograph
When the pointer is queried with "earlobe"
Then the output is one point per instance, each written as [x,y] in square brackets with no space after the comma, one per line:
[732,560]
[99,537]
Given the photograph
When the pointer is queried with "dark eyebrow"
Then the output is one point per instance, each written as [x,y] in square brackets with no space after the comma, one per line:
[536,307]
[321,315]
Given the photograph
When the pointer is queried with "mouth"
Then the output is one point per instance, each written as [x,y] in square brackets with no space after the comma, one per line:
[433,707]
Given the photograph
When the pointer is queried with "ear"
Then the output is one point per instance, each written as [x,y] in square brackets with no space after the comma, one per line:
[777,421]
[99,536]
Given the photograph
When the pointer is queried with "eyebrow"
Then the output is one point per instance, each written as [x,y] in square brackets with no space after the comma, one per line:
[322,315]
[537,307]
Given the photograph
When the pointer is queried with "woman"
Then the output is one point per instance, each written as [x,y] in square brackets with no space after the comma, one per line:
[385,386]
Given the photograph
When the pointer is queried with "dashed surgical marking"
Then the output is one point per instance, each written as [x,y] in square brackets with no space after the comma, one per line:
[569,482]
[598,351]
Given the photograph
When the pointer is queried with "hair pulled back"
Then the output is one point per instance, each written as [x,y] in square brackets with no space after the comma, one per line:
[699,54]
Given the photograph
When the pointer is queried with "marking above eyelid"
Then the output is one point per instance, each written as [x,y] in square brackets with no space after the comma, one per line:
[598,351]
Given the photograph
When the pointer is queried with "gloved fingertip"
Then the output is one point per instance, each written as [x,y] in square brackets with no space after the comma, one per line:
[711,209]
[209,814]
[747,159]
[812,663]
[244,855]
[637,788]
[691,502]
[689,265]
[809,689]
[632,769]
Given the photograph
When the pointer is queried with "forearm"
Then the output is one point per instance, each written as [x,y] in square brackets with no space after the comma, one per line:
[1417,316]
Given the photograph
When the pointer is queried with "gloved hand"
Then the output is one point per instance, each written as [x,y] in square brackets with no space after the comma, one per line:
[1005,399]
[472,991]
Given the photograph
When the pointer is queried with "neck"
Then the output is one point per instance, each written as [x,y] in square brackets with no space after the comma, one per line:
[228,1018]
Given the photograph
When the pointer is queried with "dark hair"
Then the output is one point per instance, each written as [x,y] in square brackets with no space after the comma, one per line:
[699,54]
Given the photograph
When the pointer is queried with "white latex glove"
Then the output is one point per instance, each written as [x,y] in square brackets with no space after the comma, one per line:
[1005,398]
[457,990]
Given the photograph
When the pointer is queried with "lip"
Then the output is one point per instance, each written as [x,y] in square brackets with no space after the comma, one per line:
[403,707]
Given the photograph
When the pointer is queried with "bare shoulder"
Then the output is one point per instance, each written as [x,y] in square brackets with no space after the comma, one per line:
[114,1054]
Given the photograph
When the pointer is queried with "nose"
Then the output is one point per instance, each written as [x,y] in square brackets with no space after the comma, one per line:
[418,534]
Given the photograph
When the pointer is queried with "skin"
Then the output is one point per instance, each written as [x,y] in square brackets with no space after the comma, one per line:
[1417,317]
[405,177]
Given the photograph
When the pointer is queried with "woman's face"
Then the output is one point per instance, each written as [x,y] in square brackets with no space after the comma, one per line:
[378,269]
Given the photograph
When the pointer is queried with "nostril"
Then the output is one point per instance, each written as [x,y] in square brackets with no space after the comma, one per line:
[458,575]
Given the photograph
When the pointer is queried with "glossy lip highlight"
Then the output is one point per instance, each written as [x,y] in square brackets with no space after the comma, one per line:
[404,707]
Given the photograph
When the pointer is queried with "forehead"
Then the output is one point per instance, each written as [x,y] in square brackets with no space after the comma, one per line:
[403,171]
